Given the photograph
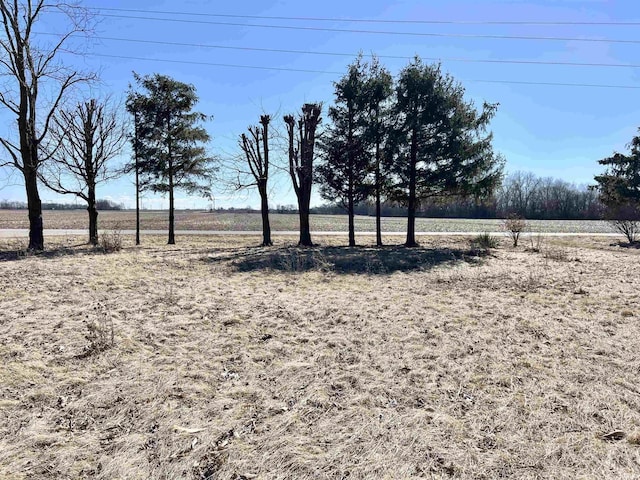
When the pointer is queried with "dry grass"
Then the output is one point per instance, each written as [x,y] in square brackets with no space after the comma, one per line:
[229,363]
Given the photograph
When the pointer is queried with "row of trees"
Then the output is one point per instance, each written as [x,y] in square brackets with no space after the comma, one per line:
[409,140]
[406,140]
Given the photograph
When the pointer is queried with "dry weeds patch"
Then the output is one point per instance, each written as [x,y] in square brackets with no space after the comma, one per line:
[517,366]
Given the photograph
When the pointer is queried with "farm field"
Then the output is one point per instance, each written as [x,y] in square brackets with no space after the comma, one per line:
[201,220]
[231,361]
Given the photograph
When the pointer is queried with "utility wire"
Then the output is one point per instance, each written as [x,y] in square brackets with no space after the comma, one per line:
[379,32]
[353,55]
[368,20]
[285,69]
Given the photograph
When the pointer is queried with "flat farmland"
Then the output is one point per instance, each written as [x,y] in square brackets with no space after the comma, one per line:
[202,220]
[217,359]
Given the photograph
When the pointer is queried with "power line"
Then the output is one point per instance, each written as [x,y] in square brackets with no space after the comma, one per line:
[189,62]
[370,20]
[379,32]
[353,55]
[285,69]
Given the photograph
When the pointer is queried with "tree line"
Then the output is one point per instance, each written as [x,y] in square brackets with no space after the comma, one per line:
[410,141]
[520,193]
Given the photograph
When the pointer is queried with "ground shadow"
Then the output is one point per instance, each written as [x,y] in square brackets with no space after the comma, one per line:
[53,252]
[345,260]
[621,244]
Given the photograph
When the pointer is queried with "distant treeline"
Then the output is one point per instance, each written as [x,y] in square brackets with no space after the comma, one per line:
[524,194]
[100,204]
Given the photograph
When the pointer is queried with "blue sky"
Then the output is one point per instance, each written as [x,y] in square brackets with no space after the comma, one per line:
[557,131]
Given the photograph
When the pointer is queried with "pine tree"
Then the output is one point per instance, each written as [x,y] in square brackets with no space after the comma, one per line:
[171,141]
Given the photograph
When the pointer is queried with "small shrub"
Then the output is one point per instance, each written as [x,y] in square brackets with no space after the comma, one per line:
[100,333]
[535,242]
[295,260]
[628,228]
[485,241]
[111,241]
[531,282]
[557,254]
[514,225]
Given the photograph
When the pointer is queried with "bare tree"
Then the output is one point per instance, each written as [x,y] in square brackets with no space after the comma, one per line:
[34,83]
[301,133]
[83,141]
[256,151]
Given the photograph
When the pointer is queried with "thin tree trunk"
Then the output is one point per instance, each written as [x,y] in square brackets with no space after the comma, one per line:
[411,210]
[93,217]
[137,204]
[172,237]
[352,227]
[264,208]
[378,199]
[135,147]
[36,228]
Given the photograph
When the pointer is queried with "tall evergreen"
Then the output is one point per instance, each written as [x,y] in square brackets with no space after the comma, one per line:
[344,173]
[170,139]
[442,146]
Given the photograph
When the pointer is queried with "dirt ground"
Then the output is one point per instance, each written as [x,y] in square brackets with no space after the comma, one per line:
[216,359]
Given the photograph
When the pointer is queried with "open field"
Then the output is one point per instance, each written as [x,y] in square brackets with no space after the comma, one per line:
[200,220]
[231,361]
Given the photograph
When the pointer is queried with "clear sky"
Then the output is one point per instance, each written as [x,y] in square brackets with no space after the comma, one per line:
[550,130]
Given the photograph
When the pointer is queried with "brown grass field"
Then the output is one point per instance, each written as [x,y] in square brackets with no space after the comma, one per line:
[231,361]
[203,220]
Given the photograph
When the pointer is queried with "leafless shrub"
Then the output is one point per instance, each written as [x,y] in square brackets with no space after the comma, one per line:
[100,332]
[531,281]
[111,241]
[514,225]
[558,254]
[536,240]
[629,228]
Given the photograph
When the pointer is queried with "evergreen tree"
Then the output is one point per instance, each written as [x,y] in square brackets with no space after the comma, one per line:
[344,173]
[619,188]
[441,144]
[378,99]
[170,139]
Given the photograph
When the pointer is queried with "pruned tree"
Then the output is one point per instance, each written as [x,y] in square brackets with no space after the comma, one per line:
[255,148]
[83,142]
[171,141]
[344,173]
[301,135]
[442,147]
[34,85]
[619,189]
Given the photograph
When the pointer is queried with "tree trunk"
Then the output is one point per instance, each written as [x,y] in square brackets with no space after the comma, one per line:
[305,227]
[378,199]
[172,237]
[135,146]
[36,227]
[411,210]
[264,208]
[352,227]
[93,217]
